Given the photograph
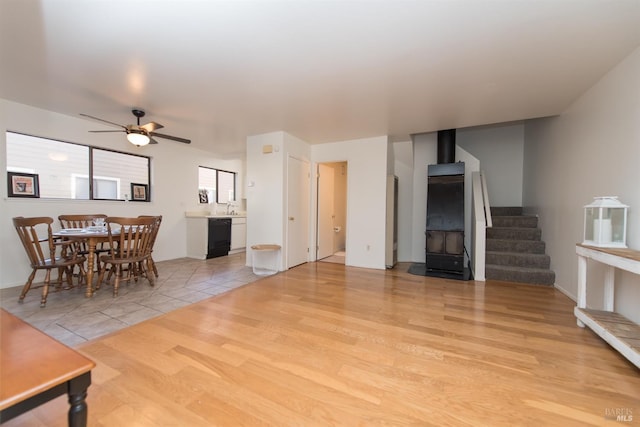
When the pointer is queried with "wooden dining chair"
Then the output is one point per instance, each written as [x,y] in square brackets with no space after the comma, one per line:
[84,221]
[158,219]
[46,253]
[130,241]
[79,220]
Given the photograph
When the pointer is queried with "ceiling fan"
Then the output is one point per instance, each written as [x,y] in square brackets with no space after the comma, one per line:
[139,135]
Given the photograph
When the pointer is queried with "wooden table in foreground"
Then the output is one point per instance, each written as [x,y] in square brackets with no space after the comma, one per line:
[620,332]
[35,368]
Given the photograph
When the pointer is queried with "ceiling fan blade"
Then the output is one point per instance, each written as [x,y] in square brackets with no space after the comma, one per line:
[104,121]
[173,138]
[103,131]
[151,126]
[152,141]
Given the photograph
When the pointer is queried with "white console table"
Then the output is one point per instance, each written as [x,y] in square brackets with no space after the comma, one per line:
[620,332]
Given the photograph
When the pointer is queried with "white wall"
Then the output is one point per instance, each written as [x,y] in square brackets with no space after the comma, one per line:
[500,149]
[265,189]
[471,164]
[425,153]
[403,169]
[367,161]
[366,184]
[174,185]
[592,149]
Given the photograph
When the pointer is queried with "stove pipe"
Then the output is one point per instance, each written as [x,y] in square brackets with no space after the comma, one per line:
[447,146]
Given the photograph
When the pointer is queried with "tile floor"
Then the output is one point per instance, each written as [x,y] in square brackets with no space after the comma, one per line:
[73,319]
[337,258]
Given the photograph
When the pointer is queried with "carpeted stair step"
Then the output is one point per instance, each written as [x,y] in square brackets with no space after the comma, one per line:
[515,250]
[506,211]
[522,221]
[518,259]
[514,233]
[536,276]
[510,245]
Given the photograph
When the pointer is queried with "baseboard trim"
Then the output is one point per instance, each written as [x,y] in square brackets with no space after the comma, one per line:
[566,292]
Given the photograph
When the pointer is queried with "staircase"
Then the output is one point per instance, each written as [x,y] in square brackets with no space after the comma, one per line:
[515,252]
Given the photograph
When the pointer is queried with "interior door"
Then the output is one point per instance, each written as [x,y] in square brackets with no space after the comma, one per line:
[325,211]
[298,200]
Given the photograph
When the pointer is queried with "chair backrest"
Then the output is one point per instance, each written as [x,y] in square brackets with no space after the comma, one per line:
[78,221]
[34,234]
[158,219]
[130,238]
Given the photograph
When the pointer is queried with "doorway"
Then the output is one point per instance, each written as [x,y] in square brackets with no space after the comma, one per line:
[331,227]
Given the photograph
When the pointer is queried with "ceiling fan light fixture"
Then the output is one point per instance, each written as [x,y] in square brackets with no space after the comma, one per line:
[138,138]
[137,134]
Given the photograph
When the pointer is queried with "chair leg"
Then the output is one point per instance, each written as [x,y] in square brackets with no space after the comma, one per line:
[61,271]
[148,268]
[45,289]
[69,271]
[110,272]
[153,266]
[101,276]
[143,266]
[132,270]
[82,276]
[116,283]
[27,286]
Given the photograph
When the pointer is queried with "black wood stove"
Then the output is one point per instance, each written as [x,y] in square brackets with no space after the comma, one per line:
[445,214]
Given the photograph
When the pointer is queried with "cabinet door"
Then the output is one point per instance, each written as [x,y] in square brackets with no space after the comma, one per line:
[238,236]
[197,238]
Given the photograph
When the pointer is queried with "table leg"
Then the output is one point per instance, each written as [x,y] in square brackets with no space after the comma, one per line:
[582,285]
[77,395]
[90,263]
[609,278]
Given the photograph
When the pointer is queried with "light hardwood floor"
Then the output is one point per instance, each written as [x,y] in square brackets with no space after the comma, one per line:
[324,344]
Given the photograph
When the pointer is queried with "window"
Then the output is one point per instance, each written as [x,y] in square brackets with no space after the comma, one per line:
[120,167]
[218,185]
[64,169]
[103,187]
[226,187]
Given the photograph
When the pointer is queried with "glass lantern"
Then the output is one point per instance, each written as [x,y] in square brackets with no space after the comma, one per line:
[605,223]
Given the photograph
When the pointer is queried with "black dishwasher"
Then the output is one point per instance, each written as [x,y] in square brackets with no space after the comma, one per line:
[219,239]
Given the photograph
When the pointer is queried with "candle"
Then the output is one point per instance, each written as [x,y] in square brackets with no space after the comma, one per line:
[602,230]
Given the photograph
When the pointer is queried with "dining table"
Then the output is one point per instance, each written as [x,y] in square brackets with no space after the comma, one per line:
[93,236]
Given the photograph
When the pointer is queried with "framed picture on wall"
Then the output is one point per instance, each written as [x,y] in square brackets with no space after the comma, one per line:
[23,184]
[139,192]
[203,195]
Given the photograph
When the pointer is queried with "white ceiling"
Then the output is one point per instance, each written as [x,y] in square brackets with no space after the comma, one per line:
[218,71]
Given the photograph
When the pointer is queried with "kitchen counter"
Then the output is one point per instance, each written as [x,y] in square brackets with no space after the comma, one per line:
[197,232]
[206,214]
